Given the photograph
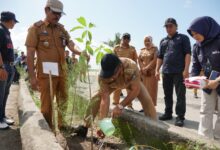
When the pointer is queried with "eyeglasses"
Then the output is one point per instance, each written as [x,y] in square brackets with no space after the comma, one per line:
[126,38]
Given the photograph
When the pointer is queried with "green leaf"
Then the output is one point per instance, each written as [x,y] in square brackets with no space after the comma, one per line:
[79,40]
[99,57]
[108,50]
[84,34]
[97,49]
[91,25]
[89,49]
[76,28]
[82,21]
[90,36]
[88,43]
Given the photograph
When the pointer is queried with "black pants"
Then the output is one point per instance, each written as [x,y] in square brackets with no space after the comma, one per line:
[169,81]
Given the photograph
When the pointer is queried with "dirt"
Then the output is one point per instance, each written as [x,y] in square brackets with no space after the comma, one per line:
[10,139]
[77,143]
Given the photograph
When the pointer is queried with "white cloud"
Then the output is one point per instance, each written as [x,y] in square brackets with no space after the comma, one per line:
[188,4]
[18,36]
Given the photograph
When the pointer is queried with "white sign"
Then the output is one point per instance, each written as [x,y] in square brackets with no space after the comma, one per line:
[51,66]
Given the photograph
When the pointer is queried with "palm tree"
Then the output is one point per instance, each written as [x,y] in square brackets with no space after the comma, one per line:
[114,42]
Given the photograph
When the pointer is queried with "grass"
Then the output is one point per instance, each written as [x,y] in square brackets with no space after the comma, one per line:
[76,107]
[133,137]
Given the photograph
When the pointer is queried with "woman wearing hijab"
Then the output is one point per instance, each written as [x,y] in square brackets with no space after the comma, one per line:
[206,54]
[147,62]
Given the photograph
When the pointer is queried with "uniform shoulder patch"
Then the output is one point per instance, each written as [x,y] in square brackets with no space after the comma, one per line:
[60,25]
[117,46]
[132,47]
[39,23]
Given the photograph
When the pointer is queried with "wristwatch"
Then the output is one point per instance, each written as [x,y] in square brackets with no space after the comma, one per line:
[120,106]
[2,67]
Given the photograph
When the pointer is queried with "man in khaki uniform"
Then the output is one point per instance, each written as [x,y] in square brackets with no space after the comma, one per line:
[117,73]
[127,51]
[48,40]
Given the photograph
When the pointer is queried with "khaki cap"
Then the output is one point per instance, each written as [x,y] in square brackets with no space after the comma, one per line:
[55,5]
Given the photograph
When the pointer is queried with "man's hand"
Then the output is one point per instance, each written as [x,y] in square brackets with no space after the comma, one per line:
[3,75]
[34,84]
[116,112]
[157,75]
[145,69]
[185,74]
[211,84]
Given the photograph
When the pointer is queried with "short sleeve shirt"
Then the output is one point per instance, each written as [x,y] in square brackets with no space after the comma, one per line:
[172,51]
[129,52]
[130,74]
[50,42]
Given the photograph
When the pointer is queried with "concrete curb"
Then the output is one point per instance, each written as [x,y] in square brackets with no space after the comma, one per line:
[164,131]
[34,130]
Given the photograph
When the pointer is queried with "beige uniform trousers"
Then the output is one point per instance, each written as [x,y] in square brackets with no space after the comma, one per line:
[208,107]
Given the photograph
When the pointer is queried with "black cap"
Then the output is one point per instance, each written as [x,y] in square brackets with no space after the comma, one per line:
[7,16]
[126,36]
[109,63]
[170,21]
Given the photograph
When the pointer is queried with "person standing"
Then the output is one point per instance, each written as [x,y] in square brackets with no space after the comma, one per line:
[48,40]
[68,60]
[127,51]
[74,59]
[147,61]
[206,53]
[8,21]
[175,56]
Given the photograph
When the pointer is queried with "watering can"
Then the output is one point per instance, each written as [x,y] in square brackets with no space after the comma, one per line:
[106,126]
[142,147]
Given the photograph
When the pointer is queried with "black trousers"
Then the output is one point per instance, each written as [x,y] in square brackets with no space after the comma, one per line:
[170,81]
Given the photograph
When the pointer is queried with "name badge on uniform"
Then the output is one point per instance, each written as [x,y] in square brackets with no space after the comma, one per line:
[64,41]
[46,44]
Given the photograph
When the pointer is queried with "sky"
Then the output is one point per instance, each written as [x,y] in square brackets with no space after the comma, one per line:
[138,17]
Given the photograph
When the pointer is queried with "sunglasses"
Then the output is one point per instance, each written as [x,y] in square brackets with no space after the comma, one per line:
[126,38]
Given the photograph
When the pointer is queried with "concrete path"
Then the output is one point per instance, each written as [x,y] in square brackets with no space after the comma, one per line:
[10,139]
[192,108]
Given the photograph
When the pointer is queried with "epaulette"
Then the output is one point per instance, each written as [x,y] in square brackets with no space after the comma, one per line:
[60,25]
[132,47]
[39,23]
[117,46]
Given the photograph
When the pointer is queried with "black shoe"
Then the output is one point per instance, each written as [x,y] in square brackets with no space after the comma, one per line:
[179,122]
[81,131]
[165,117]
[141,111]
[195,96]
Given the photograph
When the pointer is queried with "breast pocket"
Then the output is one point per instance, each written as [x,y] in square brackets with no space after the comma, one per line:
[62,41]
[45,42]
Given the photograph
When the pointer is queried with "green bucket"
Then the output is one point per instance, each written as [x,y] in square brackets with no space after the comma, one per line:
[106,126]
[142,147]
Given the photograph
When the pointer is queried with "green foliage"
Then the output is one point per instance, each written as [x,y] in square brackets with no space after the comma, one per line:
[86,39]
[76,28]
[115,41]
[82,21]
